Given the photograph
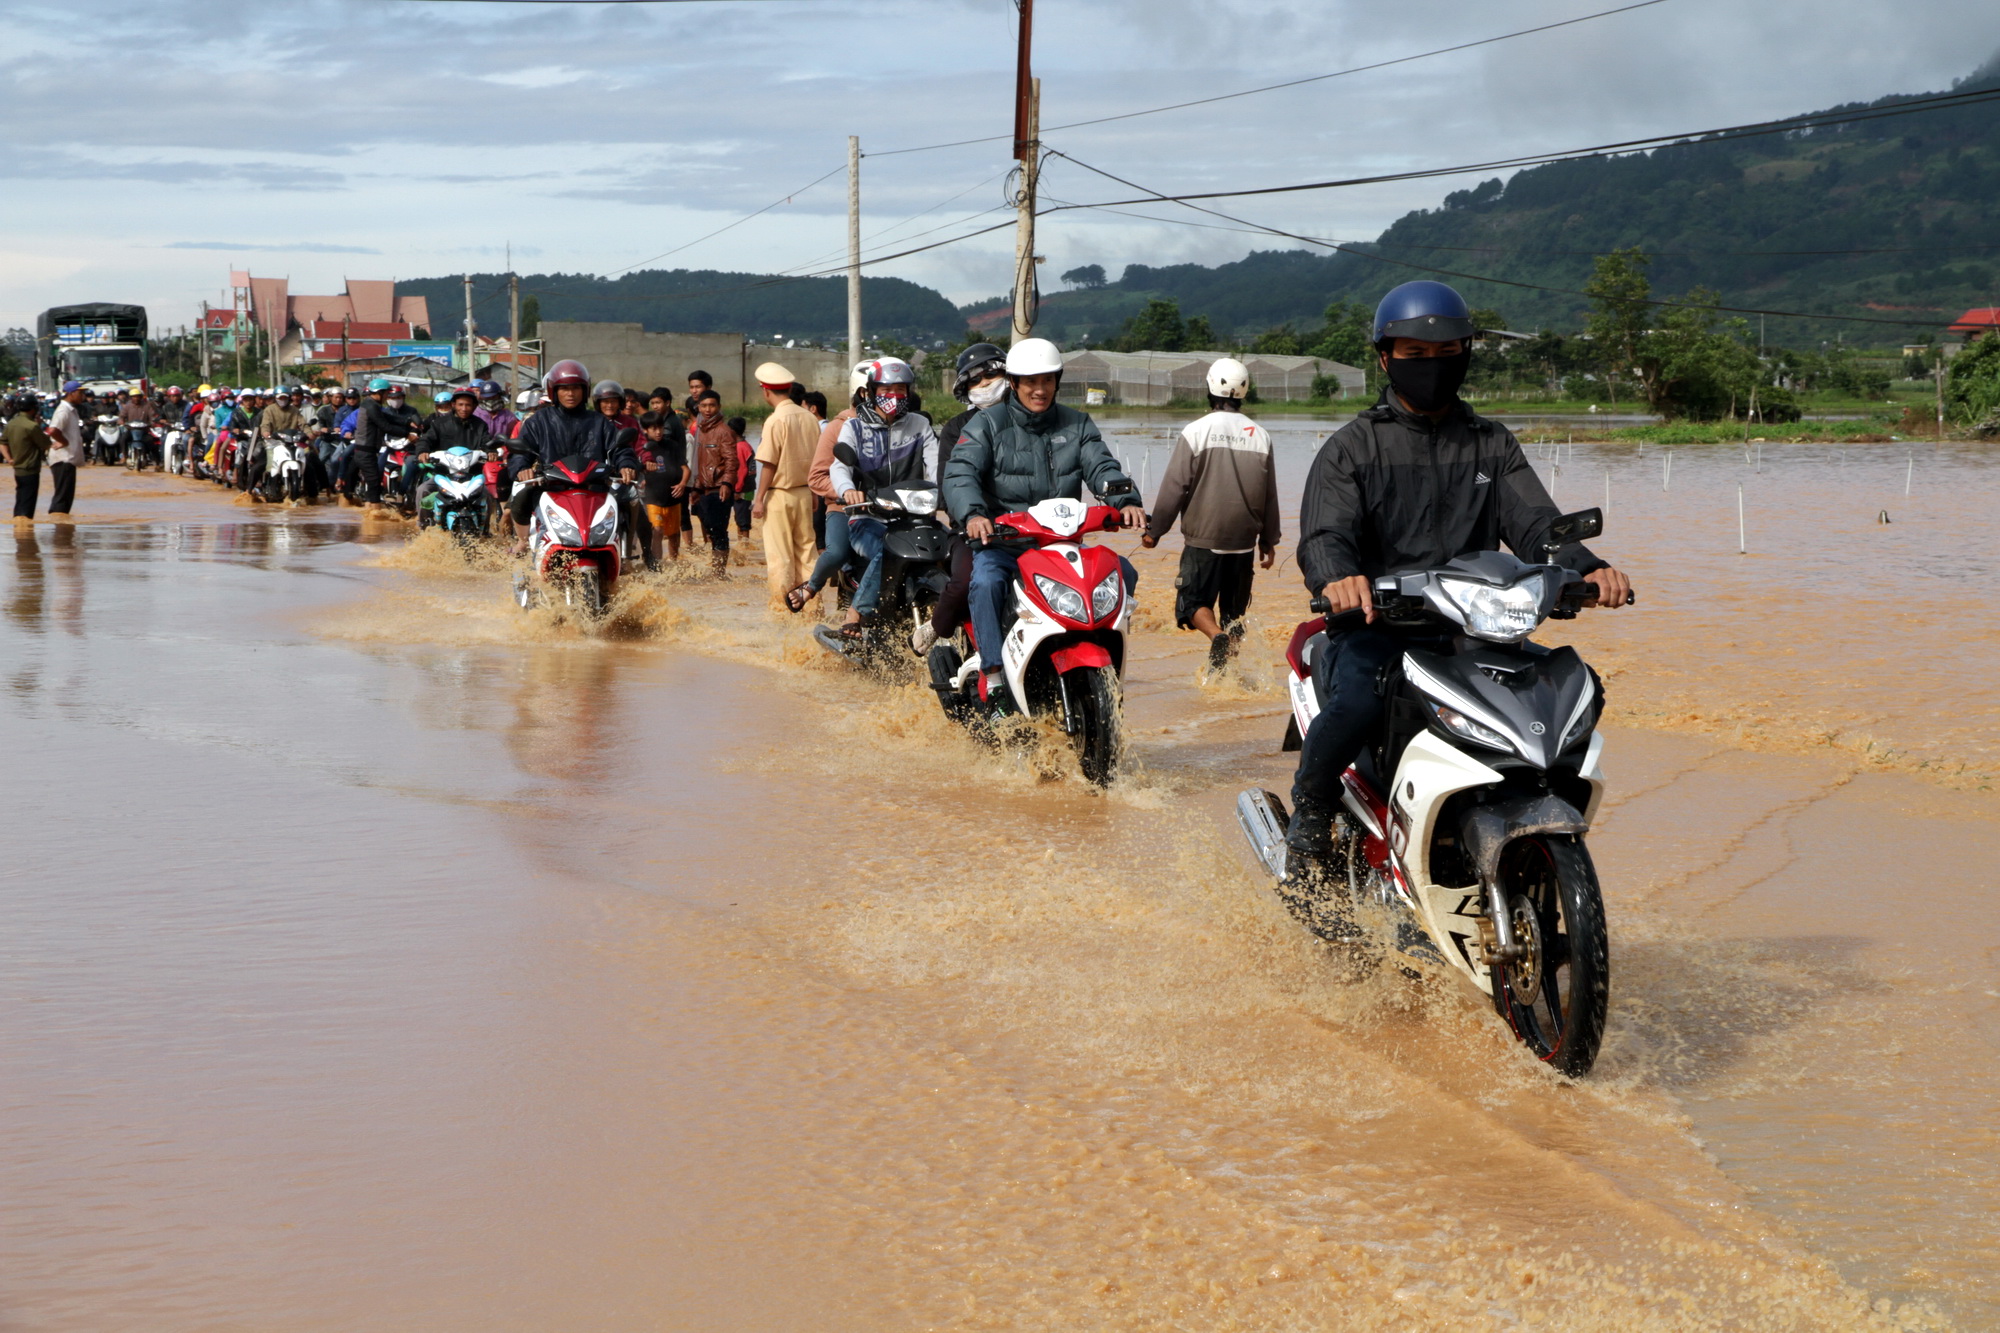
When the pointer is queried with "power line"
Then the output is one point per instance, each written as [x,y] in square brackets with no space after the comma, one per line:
[1755,129]
[719,230]
[1472,277]
[1290,83]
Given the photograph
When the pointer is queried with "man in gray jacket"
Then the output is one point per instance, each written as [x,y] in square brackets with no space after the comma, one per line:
[1223,488]
[1023,450]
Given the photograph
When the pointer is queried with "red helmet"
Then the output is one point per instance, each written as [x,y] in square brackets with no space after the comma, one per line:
[568,372]
[173,391]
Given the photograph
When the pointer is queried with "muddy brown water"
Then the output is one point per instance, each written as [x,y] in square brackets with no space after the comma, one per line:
[378,956]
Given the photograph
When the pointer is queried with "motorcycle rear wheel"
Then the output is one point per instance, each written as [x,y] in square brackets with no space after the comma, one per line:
[1100,739]
[1556,1000]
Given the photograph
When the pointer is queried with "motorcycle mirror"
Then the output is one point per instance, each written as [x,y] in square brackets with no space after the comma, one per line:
[1580,526]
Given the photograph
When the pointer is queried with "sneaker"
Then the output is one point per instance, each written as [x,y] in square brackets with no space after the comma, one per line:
[1218,652]
[922,638]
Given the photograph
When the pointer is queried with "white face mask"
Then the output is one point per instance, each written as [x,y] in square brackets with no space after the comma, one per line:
[395,400]
[985,395]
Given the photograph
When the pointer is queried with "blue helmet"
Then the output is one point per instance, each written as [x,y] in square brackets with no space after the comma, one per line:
[378,384]
[1423,309]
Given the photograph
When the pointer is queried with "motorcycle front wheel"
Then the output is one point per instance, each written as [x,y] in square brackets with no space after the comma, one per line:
[584,590]
[1556,998]
[1100,740]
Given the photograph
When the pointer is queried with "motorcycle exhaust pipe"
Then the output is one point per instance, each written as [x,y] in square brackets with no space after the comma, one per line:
[1264,822]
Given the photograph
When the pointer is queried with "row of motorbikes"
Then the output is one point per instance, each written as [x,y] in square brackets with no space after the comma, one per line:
[1463,821]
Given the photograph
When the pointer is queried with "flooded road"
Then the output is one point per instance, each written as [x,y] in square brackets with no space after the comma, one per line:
[379,957]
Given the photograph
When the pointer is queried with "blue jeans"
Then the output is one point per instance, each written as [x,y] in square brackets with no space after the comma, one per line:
[1347,673]
[866,535]
[836,553]
[993,573]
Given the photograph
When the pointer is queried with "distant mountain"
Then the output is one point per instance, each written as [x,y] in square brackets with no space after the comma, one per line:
[700,301]
[1918,193]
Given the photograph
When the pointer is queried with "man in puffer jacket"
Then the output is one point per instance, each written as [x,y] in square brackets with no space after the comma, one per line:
[886,443]
[1021,451]
[568,427]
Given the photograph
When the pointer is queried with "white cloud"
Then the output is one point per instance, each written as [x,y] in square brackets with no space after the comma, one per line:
[404,137]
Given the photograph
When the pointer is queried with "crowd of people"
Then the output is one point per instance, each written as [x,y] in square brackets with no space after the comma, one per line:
[1414,480]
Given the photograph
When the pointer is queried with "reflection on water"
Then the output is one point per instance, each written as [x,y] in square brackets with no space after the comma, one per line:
[550,981]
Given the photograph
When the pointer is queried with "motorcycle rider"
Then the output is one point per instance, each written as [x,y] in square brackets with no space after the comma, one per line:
[379,422]
[493,410]
[138,416]
[458,426]
[1412,482]
[1024,449]
[280,416]
[567,427]
[885,443]
[980,381]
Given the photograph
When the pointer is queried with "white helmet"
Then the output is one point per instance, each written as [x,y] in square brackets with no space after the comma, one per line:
[857,377]
[527,398]
[1033,356]
[1228,378]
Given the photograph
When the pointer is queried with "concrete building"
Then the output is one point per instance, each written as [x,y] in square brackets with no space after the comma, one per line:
[634,357]
[1152,379]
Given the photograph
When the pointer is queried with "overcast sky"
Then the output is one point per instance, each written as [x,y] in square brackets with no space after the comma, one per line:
[156,143]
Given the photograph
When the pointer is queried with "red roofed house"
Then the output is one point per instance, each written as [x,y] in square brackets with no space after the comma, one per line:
[310,328]
[1975,322]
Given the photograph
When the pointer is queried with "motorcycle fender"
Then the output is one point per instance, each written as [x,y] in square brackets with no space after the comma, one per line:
[1592,771]
[1076,655]
[1489,828]
[1030,628]
[1429,773]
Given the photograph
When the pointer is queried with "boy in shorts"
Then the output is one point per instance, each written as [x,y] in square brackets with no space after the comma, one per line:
[1222,486]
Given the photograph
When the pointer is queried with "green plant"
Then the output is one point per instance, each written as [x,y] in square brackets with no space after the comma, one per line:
[1620,296]
[1972,382]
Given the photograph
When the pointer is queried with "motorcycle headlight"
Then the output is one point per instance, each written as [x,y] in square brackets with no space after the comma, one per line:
[1503,615]
[918,502]
[1463,727]
[605,526]
[1064,600]
[1104,597]
[562,528]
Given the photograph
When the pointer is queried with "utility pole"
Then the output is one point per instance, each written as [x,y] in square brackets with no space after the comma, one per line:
[513,323]
[1028,152]
[853,249]
[205,377]
[346,328]
[469,354]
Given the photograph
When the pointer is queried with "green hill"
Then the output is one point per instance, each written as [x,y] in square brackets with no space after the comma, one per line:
[700,301]
[1918,193]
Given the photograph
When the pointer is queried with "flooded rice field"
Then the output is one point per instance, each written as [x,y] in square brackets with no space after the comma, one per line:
[381,956]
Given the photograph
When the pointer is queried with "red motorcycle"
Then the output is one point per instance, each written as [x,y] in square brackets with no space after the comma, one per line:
[1064,655]
[575,538]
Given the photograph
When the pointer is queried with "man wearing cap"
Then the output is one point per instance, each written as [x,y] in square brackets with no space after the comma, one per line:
[784,494]
[65,448]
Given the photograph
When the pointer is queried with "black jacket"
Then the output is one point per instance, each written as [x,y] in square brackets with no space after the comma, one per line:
[556,432]
[445,431]
[379,425]
[1390,491]
[1010,458]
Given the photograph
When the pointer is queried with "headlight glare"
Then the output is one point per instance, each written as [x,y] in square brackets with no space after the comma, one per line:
[1503,615]
[1104,598]
[918,502]
[1463,727]
[1064,600]
[605,526]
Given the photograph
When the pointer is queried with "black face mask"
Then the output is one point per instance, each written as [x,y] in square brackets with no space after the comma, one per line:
[1429,383]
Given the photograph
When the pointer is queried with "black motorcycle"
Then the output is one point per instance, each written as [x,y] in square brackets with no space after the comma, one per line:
[916,565]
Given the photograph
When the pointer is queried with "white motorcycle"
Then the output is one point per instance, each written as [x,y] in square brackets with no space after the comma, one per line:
[108,444]
[284,467]
[1465,816]
[176,450]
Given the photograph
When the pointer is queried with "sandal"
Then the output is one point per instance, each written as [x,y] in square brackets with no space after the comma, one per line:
[796,599]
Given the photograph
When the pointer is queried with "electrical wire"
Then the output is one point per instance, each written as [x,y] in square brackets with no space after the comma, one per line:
[1290,83]
[739,222]
[1727,134]
[1344,248]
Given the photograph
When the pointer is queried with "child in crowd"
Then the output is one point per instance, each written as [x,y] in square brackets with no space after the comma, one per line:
[746,478]
[667,475]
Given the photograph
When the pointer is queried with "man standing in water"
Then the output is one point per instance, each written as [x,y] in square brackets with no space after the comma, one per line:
[1413,482]
[65,450]
[784,499]
[1222,486]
